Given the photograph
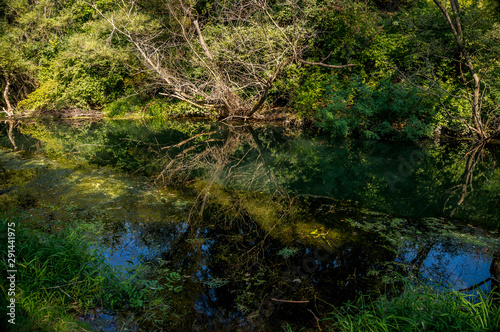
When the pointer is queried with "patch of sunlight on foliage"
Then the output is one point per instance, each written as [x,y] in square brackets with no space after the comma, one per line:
[40,98]
[123,106]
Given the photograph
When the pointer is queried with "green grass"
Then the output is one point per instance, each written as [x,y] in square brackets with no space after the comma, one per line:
[420,308]
[59,278]
[134,106]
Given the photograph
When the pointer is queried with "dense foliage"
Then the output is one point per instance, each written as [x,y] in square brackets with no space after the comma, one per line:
[402,72]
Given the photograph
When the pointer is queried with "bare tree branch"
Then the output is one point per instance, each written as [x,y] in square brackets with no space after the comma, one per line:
[326,65]
[229,68]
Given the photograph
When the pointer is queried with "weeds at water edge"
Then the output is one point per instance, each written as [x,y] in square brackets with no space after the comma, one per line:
[419,308]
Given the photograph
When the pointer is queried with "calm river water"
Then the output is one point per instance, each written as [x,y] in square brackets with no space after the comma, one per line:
[263,223]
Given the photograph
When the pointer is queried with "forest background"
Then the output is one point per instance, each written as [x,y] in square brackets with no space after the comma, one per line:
[395,69]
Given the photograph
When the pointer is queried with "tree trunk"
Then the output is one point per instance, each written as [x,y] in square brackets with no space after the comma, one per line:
[456,29]
[476,106]
[11,134]
[269,83]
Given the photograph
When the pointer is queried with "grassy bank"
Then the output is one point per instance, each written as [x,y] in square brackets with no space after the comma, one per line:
[421,308]
[60,279]
[57,279]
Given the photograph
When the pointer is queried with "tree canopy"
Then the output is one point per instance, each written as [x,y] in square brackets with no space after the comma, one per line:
[379,68]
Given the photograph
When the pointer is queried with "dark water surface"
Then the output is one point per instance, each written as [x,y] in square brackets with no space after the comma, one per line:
[264,224]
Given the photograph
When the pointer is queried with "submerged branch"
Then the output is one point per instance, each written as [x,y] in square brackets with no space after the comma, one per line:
[289,301]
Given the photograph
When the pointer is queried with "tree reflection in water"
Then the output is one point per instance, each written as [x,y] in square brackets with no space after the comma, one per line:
[270,223]
[233,176]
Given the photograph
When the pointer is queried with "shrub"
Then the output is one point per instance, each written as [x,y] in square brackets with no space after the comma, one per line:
[385,110]
[123,106]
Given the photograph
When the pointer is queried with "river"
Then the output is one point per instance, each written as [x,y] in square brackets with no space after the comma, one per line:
[262,223]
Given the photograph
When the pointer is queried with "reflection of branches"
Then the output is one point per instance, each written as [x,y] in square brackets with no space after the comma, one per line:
[475,286]
[219,157]
[12,124]
[472,158]
[422,254]
[76,118]
[495,272]
[231,160]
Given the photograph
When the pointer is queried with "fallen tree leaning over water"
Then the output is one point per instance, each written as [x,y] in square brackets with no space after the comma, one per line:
[223,59]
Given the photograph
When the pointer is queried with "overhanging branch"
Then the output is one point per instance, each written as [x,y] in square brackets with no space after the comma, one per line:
[326,65]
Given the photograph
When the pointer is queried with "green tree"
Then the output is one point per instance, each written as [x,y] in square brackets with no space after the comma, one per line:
[461,64]
[57,55]
[16,72]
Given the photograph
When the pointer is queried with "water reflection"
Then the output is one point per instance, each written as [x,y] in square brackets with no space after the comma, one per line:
[405,179]
[270,223]
[11,133]
[444,263]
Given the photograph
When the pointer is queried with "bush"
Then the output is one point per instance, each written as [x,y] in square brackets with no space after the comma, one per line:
[41,97]
[156,108]
[310,96]
[184,109]
[123,106]
[386,110]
